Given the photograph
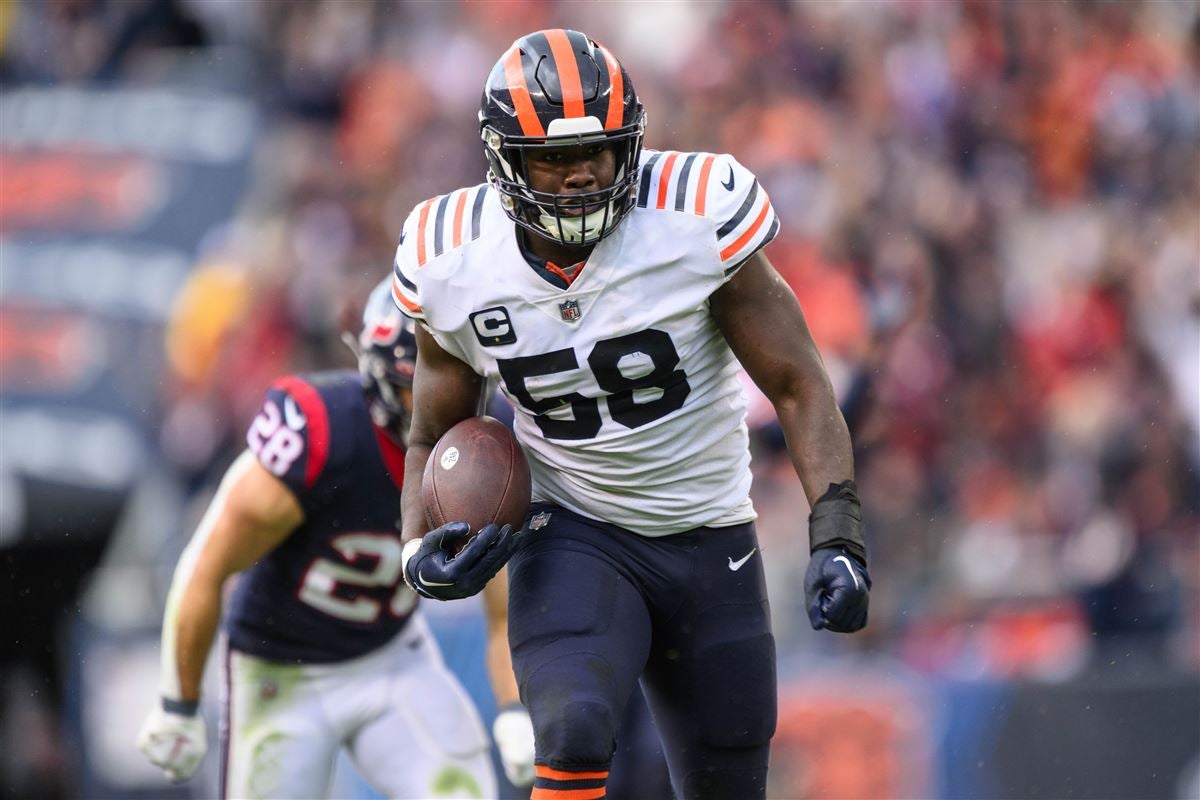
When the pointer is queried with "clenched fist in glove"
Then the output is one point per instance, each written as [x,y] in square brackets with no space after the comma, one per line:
[836,584]
[174,738]
[513,733]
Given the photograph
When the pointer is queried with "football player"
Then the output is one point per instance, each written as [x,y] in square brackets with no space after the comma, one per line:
[326,645]
[611,292]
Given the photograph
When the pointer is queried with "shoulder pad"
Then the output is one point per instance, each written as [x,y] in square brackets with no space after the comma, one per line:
[436,226]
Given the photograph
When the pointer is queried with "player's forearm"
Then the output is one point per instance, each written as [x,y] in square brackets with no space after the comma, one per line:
[817,437]
[412,508]
[193,620]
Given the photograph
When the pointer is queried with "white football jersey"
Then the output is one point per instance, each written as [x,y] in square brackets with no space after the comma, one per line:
[627,399]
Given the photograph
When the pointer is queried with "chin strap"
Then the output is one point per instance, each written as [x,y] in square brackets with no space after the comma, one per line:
[573,227]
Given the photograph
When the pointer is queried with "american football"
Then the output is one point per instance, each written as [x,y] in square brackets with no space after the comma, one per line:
[478,474]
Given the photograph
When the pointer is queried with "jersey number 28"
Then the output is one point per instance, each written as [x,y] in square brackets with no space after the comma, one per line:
[319,587]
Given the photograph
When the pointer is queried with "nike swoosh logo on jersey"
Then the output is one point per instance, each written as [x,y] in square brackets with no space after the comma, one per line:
[421,578]
[293,415]
[734,566]
[850,569]
[402,235]
[729,183]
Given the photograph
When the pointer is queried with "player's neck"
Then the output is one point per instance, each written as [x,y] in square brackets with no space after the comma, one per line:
[561,254]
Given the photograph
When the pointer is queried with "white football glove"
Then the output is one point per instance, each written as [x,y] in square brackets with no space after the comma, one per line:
[513,732]
[174,742]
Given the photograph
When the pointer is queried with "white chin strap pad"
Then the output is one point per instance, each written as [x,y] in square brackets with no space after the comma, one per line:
[573,227]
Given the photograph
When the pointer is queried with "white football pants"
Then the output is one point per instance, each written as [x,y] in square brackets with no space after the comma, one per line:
[406,723]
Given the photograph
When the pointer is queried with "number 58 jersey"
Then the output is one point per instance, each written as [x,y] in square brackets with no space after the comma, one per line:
[627,399]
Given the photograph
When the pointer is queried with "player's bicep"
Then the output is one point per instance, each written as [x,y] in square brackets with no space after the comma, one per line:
[253,512]
[761,320]
[446,390]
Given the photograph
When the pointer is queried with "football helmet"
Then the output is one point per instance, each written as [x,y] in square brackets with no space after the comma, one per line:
[386,349]
[556,88]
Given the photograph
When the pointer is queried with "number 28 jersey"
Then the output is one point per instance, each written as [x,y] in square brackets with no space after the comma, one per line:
[626,395]
[332,590]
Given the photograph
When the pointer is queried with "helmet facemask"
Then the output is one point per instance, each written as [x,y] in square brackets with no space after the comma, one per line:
[559,89]
[550,215]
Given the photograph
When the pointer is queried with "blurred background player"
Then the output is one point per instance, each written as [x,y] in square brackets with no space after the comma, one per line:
[327,648]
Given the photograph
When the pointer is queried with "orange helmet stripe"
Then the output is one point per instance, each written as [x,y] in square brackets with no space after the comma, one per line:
[514,73]
[568,72]
[664,179]
[702,184]
[616,91]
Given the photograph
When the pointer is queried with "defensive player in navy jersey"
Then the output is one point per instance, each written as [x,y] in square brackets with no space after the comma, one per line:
[611,293]
[327,648]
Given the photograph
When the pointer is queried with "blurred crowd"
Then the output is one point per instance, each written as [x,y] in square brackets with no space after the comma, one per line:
[990,216]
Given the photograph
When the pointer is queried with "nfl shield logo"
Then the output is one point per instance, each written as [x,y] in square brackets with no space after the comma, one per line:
[569,310]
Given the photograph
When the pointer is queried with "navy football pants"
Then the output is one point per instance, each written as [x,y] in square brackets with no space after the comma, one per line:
[593,607]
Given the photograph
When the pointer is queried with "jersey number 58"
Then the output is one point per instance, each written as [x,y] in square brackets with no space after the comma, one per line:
[611,361]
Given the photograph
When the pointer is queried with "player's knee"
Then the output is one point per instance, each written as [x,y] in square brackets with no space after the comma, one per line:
[572,701]
[578,733]
[737,681]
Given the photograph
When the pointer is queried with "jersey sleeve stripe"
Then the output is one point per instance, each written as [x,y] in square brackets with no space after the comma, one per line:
[702,184]
[737,218]
[439,225]
[568,72]
[477,210]
[664,179]
[739,243]
[514,74]
[766,240]
[317,419]
[647,176]
[681,185]
[404,281]
[409,307]
[456,226]
[616,95]
[422,219]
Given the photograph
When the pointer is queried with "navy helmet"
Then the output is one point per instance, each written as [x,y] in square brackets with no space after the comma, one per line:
[557,88]
[387,357]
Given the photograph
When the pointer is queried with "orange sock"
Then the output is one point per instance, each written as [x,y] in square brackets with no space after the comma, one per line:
[557,784]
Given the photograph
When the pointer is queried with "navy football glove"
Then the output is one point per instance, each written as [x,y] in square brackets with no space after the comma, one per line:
[836,584]
[836,588]
[433,570]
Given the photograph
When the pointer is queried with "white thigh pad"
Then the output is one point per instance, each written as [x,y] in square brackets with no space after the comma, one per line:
[440,711]
[428,743]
